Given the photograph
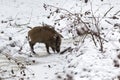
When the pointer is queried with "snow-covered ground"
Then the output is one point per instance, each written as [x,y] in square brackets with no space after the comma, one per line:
[85,63]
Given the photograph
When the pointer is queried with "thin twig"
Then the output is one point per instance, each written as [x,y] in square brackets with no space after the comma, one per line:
[59,8]
[108,11]
[117,12]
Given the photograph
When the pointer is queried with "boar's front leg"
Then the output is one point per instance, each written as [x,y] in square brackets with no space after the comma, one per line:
[53,49]
[32,46]
[47,47]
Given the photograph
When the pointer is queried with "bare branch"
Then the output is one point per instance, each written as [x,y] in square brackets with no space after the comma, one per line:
[108,11]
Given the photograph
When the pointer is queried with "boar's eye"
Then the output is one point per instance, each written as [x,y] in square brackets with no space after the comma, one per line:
[57,45]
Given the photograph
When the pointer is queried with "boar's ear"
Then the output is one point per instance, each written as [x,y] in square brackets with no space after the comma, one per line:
[60,35]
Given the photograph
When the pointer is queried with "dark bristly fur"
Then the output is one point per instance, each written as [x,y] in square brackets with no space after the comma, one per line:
[46,35]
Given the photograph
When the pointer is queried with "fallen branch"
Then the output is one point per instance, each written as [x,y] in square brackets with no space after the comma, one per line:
[67,49]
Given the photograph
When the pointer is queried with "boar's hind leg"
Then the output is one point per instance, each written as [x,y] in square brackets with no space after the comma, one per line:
[32,46]
[47,47]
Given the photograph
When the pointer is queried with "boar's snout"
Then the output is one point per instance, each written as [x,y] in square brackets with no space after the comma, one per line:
[58,43]
[58,50]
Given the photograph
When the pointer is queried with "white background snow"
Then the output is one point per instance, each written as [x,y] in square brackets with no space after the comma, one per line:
[88,63]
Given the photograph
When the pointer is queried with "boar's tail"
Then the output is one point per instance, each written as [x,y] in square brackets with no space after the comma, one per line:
[29,27]
[28,37]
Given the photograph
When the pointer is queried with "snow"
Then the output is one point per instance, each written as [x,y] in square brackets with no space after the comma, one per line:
[84,62]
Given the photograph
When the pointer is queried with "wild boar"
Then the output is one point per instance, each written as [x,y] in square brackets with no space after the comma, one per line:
[46,35]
